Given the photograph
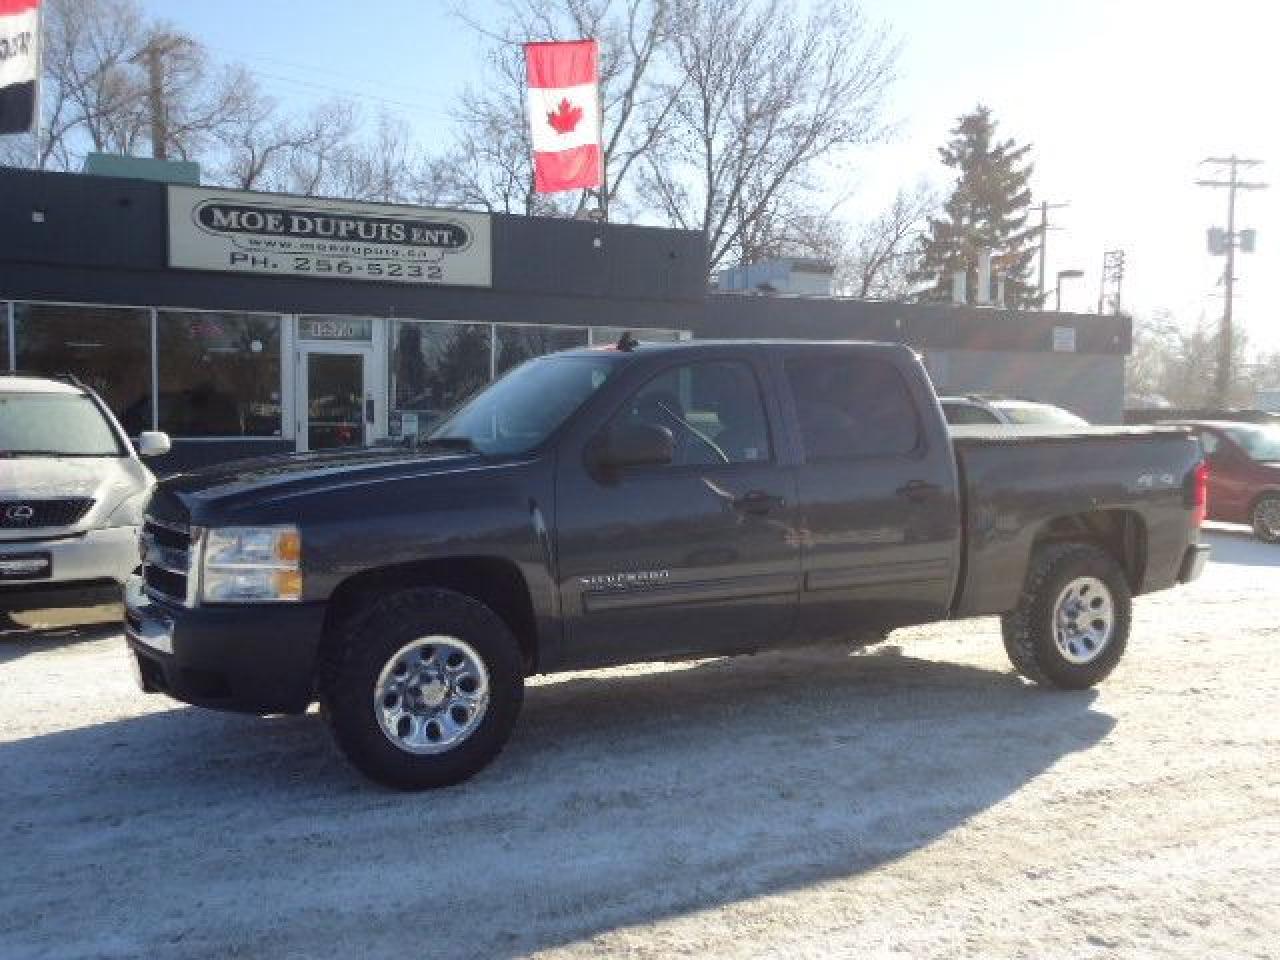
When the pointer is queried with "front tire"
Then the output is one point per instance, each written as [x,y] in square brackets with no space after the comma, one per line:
[423,688]
[1266,518]
[1071,625]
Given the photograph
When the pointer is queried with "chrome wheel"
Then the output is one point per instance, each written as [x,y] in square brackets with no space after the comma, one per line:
[431,695]
[1083,619]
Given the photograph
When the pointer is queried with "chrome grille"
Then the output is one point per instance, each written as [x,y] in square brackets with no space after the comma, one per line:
[26,514]
[166,559]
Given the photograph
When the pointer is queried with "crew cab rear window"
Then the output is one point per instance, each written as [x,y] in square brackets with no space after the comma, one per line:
[852,407]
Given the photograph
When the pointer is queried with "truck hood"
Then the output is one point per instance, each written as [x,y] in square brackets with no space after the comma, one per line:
[211,493]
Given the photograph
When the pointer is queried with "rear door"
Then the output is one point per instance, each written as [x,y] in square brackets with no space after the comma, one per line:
[878,507]
[696,556]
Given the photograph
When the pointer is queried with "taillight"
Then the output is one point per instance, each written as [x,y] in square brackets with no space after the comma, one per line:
[1199,493]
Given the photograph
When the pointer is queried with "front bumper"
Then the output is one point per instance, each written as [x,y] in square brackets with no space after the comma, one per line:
[110,553]
[251,659]
[1193,562]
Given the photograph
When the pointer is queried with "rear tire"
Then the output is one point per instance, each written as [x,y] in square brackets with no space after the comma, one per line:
[423,688]
[1266,518]
[1071,624]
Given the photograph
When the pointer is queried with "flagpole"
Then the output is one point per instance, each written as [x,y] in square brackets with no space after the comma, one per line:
[36,87]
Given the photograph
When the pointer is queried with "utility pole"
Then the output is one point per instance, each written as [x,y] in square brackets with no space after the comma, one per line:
[1222,386]
[159,46]
[1113,277]
[1043,230]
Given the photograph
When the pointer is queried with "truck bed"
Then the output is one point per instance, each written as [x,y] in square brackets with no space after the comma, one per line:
[1023,483]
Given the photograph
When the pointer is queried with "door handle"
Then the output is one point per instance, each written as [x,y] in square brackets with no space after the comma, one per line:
[757,502]
[918,491]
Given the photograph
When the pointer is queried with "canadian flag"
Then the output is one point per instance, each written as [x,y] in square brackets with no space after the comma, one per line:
[564,115]
[19,64]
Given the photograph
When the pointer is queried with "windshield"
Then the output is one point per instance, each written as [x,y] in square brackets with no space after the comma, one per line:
[1259,443]
[521,410]
[54,425]
[1040,414]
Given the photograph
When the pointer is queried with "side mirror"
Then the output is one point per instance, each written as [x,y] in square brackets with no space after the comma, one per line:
[153,443]
[634,445]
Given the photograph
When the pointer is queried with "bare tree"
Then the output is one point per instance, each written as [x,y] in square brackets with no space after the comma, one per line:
[265,149]
[877,262]
[761,95]
[383,168]
[490,165]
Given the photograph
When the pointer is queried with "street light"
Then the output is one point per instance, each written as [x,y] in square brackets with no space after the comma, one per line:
[1064,275]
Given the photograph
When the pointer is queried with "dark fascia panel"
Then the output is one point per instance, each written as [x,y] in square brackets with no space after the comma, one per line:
[111,222]
[932,326]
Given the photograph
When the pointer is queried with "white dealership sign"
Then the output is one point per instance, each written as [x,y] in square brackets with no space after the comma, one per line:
[228,230]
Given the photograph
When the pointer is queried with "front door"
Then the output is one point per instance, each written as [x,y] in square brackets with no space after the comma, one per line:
[697,556]
[336,402]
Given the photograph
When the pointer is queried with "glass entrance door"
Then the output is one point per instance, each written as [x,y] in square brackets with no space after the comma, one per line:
[336,403]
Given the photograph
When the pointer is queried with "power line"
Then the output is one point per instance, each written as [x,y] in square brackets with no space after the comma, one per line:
[307,84]
[1231,240]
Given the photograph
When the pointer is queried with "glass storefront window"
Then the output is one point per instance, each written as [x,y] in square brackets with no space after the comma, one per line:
[219,373]
[4,335]
[516,344]
[607,335]
[109,348]
[435,366]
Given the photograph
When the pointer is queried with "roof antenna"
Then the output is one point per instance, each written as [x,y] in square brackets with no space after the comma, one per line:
[627,342]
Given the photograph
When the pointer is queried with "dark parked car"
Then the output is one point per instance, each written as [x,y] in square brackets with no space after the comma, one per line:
[1244,473]
[647,502]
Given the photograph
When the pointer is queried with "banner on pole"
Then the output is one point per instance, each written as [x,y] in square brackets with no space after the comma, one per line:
[19,64]
[564,115]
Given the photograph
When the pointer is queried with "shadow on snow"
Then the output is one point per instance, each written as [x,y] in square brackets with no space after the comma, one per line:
[623,799]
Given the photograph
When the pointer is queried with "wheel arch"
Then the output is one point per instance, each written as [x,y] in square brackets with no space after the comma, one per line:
[1121,533]
[1259,497]
[497,582]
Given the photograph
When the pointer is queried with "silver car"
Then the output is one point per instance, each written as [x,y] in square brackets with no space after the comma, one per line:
[72,492]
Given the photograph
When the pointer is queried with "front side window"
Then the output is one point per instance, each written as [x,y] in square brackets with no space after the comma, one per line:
[219,374]
[109,348]
[54,424]
[713,410]
[851,406]
[518,412]
[436,366]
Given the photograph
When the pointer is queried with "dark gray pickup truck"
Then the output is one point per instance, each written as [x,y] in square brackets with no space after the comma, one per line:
[639,503]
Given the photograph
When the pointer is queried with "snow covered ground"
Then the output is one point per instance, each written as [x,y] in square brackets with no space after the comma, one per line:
[916,801]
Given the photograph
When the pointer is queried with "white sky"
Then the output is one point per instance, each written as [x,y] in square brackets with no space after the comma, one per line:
[1121,101]
[1120,98]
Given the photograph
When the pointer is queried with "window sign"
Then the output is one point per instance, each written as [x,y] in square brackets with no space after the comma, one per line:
[335,328]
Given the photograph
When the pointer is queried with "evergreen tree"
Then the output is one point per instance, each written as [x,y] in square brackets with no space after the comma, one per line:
[986,211]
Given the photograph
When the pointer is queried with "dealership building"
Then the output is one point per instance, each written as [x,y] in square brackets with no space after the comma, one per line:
[253,323]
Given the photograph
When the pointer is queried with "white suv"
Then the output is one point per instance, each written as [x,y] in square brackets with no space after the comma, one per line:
[72,492]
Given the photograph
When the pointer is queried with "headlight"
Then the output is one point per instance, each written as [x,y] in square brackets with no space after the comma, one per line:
[251,565]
